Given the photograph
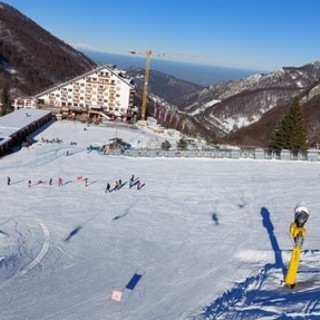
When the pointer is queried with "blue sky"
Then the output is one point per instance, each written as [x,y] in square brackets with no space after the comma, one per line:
[247,34]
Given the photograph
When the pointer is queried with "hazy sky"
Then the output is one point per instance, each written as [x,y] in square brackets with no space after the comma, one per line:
[250,34]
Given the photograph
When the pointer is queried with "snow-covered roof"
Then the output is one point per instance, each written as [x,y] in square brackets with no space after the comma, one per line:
[15,121]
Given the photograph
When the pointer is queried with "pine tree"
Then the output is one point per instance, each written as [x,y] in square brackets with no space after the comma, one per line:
[5,102]
[165,145]
[290,132]
[182,144]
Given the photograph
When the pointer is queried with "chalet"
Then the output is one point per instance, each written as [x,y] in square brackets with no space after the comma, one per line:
[105,92]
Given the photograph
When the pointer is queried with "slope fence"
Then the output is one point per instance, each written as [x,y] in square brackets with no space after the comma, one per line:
[310,155]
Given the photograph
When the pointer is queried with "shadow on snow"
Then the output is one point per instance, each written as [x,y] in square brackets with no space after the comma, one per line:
[78,228]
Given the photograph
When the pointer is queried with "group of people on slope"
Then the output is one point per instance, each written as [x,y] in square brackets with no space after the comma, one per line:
[118,184]
[60,182]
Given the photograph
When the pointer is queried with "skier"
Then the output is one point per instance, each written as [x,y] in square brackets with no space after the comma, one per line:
[60,181]
[8,181]
[131,181]
[108,188]
[29,183]
[138,184]
[86,181]
[50,182]
[116,185]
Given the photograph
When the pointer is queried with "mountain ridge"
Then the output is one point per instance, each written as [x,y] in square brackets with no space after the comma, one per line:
[35,57]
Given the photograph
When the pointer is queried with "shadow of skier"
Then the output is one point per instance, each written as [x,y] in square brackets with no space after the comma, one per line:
[72,233]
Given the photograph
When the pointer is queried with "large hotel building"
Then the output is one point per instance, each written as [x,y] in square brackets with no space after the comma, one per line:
[105,92]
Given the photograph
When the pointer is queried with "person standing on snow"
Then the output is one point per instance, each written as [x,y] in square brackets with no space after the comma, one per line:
[108,187]
[60,182]
[8,181]
[131,181]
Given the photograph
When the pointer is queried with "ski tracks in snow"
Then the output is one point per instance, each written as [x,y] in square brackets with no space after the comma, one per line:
[36,260]
[44,250]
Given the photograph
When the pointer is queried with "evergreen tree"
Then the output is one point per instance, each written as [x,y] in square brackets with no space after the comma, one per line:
[165,145]
[290,132]
[5,102]
[182,144]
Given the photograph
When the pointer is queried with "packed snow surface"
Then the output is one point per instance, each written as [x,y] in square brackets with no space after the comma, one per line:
[201,239]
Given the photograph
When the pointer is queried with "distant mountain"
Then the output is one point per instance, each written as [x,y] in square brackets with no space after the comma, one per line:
[253,102]
[31,59]
[163,85]
[245,111]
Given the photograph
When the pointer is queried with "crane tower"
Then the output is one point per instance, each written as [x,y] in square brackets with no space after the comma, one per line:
[148,54]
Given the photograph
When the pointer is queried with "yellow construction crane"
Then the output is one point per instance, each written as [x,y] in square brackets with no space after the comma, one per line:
[148,54]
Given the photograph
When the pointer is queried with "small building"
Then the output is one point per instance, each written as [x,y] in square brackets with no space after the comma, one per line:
[116,143]
[16,126]
[27,102]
